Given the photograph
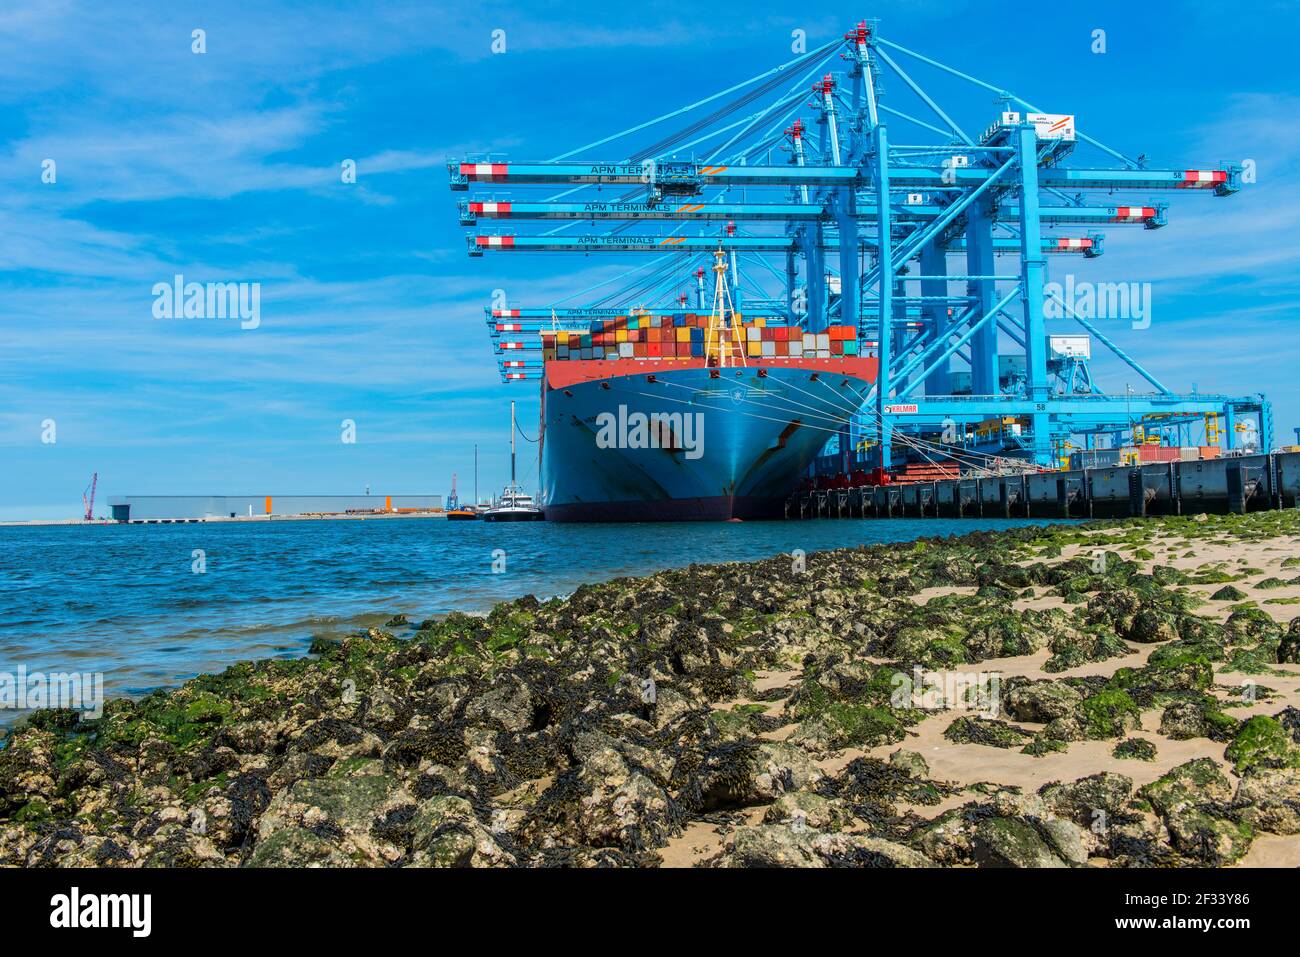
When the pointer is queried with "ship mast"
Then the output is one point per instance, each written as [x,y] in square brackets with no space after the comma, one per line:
[722,321]
[512,447]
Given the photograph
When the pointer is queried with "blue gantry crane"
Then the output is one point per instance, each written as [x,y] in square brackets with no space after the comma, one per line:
[935,244]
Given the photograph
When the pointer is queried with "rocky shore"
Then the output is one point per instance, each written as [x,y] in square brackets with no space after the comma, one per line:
[1115,694]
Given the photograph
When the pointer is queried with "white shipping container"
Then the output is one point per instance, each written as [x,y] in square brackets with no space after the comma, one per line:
[823,341]
[753,332]
[796,347]
[809,341]
[769,347]
[625,350]
[823,353]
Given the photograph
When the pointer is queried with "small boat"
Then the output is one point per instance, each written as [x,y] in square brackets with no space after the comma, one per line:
[515,505]
[465,514]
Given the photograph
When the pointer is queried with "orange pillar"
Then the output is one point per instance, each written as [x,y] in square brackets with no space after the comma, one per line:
[268,505]
[388,503]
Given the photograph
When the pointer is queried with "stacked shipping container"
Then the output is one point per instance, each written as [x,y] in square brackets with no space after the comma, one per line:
[684,335]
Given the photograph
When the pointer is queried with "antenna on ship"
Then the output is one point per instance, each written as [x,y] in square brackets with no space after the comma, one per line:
[512,447]
[722,320]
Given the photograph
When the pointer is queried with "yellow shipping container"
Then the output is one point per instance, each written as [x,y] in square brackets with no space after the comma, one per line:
[683,334]
[754,347]
[620,335]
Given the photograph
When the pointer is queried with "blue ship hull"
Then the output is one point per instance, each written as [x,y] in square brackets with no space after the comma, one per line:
[752,434]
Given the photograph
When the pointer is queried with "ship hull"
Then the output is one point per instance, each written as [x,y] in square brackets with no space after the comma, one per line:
[752,432]
[520,515]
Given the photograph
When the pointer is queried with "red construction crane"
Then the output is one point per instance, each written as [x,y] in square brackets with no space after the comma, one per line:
[88,498]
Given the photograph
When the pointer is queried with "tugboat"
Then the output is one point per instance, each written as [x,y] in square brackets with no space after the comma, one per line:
[515,505]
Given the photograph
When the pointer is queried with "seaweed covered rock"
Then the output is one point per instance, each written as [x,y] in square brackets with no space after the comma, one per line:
[1135,749]
[1229,593]
[1040,701]
[1009,842]
[1192,801]
[770,845]
[747,773]
[774,845]
[1108,714]
[986,731]
[1010,830]
[1074,646]
[912,762]
[1081,800]
[341,811]
[1270,798]
[1262,741]
[1198,717]
[1288,649]
[860,850]
[805,808]
[445,832]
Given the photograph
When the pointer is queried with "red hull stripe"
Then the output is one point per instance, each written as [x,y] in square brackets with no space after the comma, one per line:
[560,375]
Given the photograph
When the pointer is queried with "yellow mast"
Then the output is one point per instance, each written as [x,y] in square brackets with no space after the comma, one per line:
[722,321]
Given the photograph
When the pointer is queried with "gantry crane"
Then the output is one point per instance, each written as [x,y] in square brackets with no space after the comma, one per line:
[935,244]
[88,499]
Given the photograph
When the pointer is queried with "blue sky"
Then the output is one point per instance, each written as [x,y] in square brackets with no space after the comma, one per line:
[225,166]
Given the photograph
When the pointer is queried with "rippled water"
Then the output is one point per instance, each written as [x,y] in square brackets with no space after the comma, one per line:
[124,600]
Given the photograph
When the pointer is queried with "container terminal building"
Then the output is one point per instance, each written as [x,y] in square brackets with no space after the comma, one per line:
[197,508]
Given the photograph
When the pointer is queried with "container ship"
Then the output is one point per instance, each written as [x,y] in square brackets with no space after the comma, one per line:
[689,416]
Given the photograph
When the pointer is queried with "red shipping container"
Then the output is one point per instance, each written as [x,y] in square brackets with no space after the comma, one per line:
[1158,453]
[654,349]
